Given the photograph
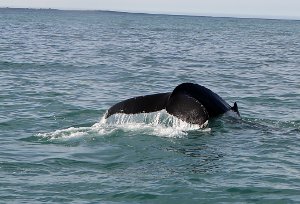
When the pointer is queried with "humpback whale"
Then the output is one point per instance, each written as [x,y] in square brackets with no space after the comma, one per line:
[189,102]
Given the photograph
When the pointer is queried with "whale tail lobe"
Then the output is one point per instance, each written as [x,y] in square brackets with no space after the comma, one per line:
[140,104]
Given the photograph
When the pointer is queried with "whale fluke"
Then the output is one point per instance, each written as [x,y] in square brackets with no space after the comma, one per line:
[189,102]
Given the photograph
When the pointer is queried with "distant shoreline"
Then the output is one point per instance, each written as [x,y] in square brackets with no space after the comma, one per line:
[158,13]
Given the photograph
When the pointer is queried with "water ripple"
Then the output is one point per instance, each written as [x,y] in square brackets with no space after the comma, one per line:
[61,70]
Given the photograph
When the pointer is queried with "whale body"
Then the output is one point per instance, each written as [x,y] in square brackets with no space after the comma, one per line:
[189,102]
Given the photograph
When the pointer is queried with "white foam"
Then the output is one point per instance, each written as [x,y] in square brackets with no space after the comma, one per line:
[158,123]
[65,133]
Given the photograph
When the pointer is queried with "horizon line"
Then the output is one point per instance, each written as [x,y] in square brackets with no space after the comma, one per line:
[239,16]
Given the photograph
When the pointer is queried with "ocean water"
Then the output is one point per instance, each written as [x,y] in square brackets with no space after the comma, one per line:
[61,70]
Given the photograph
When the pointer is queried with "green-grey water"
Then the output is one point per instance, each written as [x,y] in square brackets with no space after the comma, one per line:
[61,70]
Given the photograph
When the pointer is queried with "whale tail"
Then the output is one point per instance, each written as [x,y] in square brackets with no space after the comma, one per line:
[189,102]
[235,108]
[180,105]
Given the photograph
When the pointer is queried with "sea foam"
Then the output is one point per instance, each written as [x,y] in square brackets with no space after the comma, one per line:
[158,123]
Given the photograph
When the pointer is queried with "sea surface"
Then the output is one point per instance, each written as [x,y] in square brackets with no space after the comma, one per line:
[61,70]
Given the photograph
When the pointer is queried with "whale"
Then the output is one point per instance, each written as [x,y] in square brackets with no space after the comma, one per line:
[190,102]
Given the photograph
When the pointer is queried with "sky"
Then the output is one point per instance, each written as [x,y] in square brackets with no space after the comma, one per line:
[286,9]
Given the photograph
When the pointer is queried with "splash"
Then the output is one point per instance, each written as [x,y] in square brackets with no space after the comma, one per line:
[158,123]
[65,134]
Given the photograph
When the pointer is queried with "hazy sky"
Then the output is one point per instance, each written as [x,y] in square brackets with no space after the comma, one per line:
[255,8]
